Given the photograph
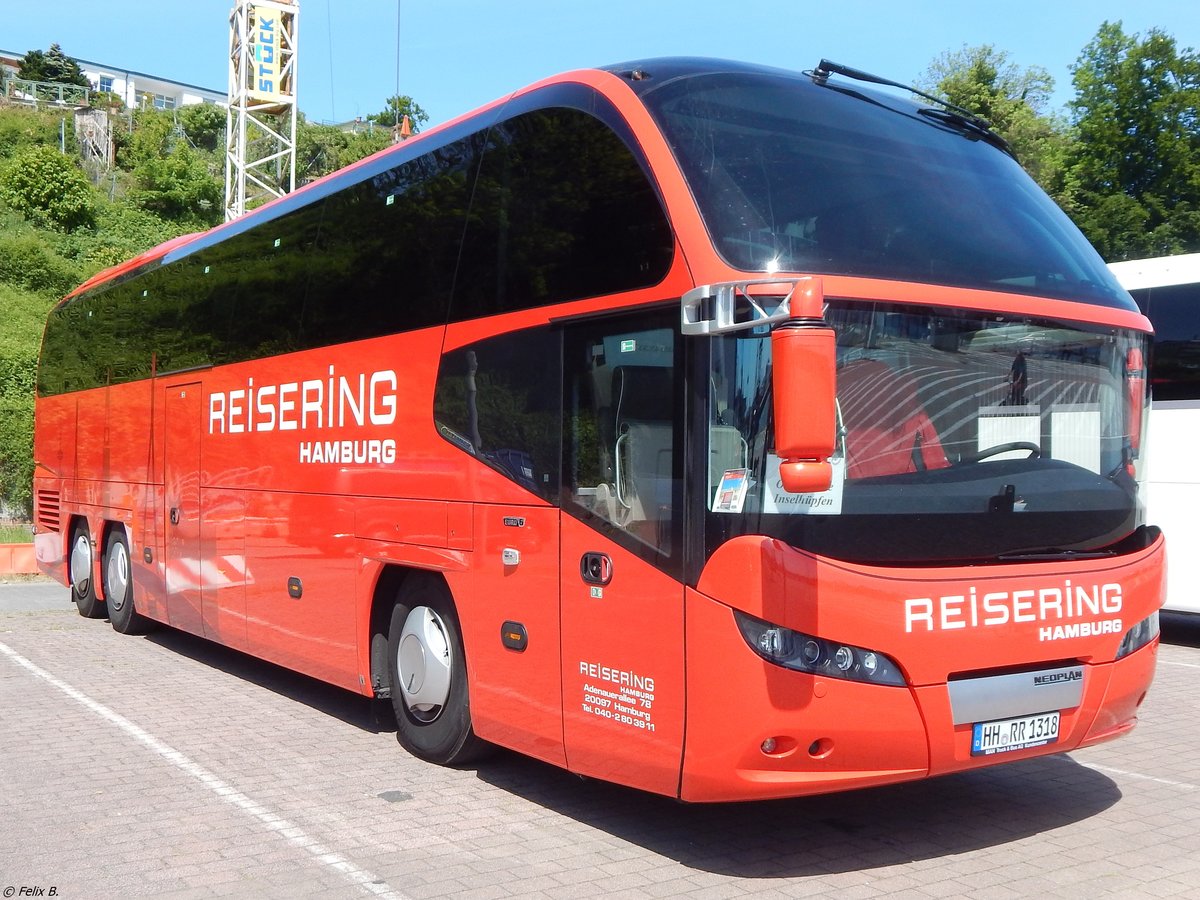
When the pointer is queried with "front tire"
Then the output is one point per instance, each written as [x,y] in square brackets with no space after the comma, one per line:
[118,587]
[428,672]
[83,585]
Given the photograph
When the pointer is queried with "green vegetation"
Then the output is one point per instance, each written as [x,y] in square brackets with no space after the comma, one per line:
[397,108]
[15,534]
[52,66]
[48,189]
[1125,162]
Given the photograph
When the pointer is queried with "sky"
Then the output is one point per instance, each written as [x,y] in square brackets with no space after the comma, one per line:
[452,56]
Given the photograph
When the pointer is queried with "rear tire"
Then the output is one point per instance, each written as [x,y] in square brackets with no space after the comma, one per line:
[83,584]
[118,586]
[428,673]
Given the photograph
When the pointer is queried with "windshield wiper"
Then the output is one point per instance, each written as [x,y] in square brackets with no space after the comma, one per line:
[973,124]
[950,114]
[1053,554]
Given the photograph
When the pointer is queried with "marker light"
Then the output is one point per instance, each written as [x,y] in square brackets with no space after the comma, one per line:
[1139,635]
[816,656]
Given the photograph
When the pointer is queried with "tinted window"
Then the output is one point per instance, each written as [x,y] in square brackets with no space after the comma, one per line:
[240,299]
[790,176]
[1175,312]
[960,437]
[388,247]
[499,401]
[562,210]
[623,432]
[374,258]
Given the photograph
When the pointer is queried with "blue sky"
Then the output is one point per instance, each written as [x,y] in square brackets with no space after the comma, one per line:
[456,55]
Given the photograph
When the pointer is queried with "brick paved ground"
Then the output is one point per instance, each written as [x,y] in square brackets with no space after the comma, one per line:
[164,766]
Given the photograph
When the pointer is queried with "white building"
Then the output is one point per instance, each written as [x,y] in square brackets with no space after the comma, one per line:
[137,90]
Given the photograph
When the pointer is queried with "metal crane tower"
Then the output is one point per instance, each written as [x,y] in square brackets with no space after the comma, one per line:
[260,127]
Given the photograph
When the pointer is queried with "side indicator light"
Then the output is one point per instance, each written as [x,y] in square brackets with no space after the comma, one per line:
[514,636]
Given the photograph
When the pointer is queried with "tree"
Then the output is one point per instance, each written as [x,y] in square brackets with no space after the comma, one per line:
[179,186]
[1014,100]
[321,149]
[52,65]
[1132,175]
[204,124]
[395,111]
[46,187]
[172,178]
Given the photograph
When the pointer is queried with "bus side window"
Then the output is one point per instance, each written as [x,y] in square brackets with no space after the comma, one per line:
[1175,311]
[498,400]
[642,450]
[622,419]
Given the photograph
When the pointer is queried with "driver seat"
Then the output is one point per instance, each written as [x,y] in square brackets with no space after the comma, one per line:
[888,431]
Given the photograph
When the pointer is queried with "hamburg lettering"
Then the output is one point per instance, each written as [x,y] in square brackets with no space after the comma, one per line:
[348,451]
[1066,611]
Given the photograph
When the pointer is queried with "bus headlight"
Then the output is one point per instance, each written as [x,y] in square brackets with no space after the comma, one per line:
[1139,635]
[817,656]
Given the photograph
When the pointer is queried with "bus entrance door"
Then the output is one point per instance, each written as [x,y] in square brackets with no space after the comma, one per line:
[622,609]
[622,657]
[184,412]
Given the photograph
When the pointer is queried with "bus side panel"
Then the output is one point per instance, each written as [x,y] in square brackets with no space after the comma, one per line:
[224,572]
[181,559]
[509,612]
[91,421]
[55,423]
[301,563]
[128,437]
[53,471]
[147,554]
[1173,494]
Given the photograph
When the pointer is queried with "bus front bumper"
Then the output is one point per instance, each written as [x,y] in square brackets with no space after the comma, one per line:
[756,730]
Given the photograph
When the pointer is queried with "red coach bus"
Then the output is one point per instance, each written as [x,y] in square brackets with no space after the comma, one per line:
[721,431]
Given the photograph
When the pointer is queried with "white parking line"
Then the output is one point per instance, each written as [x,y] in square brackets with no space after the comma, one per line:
[1127,774]
[292,833]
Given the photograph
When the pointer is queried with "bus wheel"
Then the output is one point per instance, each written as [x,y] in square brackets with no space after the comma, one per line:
[428,673]
[118,586]
[83,588]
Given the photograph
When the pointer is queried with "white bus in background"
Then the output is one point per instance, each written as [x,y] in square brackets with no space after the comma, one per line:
[1167,289]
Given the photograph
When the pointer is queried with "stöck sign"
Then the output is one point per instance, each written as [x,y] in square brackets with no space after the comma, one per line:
[266,45]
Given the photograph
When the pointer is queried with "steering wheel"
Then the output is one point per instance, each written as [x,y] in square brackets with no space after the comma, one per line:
[1034,451]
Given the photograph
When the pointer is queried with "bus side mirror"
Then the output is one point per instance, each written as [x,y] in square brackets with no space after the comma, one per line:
[804,386]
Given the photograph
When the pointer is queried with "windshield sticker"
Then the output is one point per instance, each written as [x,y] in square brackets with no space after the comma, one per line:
[731,493]
[825,503]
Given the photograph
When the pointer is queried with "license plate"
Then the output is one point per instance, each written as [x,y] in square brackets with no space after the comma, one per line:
[1006,735]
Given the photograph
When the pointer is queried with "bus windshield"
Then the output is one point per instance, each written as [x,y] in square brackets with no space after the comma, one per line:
[961,437]
[793,177]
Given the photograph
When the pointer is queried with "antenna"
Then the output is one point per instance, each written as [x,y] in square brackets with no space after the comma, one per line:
[260,126]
